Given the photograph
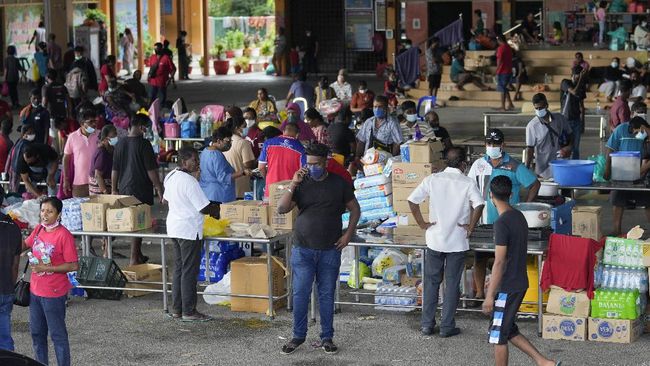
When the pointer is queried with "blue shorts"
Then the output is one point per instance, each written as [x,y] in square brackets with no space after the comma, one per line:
[503,80]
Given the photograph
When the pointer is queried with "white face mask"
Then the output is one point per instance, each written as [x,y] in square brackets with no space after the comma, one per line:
[411,117]
[614,65]
[341,79]
[541,113]
[643,24]
[30,137]
[642,115]
[494,152]
[250,123]
[362,91]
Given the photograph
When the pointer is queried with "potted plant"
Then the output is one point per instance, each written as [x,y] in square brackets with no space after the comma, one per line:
[235,43]
[93,16]
[242,63]
[220,66]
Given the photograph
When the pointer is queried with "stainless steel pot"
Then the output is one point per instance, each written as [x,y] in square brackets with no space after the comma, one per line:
[537,214]
[549,189]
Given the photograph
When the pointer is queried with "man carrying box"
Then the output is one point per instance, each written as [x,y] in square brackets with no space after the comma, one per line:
[187,205]
[509,280]
[317,241]
[455,206]
[497,163]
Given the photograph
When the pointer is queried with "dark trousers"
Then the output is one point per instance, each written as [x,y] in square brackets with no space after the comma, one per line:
[163,94]
[187,257]
[183,71]
[47,314]
[452,266]
[13,93]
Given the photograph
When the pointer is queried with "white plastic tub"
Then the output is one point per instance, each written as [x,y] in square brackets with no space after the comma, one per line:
[626,165]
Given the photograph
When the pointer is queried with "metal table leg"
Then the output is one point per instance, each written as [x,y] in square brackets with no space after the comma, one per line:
[269,264]
[109,247]
[164,274]
[540,300]
[356,280]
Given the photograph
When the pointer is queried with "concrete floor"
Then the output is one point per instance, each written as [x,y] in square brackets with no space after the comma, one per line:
[135,332]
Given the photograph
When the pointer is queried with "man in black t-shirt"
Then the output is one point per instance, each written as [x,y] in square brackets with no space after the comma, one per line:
[36,115]
[317,241]
[135,172]
[56,99]
[38,163]
[509,278]
[572,105]
[10,247]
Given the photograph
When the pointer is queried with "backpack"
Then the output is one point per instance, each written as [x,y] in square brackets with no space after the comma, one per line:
[57,100]
[76,82]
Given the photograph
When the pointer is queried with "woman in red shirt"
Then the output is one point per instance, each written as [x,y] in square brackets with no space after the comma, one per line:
[107,72]
[164,68]
[53,254]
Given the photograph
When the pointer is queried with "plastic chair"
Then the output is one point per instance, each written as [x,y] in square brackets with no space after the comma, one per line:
[431,102]
[22,61]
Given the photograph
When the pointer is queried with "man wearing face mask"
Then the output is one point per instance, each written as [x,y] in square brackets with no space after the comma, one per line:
[548,137]
[217,175]
[341,87]
[497,162]
[629,136]
[409,124]
[641,35]
[573,107]
[613,74]
[381,131]
[293,116]
[639,109]
[37,116]
[317,241]
[362,98]
[187,207]
[86,65]
[620,110]
[135,172]
[79,151]
[455,207]
[38,163]
[27,136]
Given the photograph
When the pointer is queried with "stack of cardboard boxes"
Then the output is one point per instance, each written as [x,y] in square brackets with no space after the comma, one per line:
[115,213]
[419,160]
[566,315]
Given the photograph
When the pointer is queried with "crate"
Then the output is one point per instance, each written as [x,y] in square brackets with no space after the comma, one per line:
[95,271]
[561,218]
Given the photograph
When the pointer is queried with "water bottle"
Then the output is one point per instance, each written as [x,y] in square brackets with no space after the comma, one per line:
[605,280]
[598,110]
[614,254]
[32,260]
[607,254]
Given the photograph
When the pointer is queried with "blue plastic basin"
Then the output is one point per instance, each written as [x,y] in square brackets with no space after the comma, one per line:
[573,172]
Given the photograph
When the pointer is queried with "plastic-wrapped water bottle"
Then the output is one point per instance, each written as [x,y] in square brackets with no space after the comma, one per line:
[605,278]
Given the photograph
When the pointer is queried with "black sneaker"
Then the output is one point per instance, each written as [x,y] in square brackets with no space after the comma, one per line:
[291,347]
[450,333]
[428,331]
[196,317]
[329,347]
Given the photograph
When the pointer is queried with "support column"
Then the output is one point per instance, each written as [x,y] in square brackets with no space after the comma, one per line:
[140,29]
[180,23]
[112,26]
[392,23]
[153,13]
[58,20]
[206,49]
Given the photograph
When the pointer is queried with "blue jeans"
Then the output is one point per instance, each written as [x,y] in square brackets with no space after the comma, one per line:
[307,265]
[48,314]
[6,305]
[576,126]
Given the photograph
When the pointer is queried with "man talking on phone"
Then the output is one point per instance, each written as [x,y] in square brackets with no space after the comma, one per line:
[317,241]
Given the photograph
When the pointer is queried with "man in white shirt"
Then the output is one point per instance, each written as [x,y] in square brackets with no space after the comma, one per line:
[639,91]
[187,205]
[455,206]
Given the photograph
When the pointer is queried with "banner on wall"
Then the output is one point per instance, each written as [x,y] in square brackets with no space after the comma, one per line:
[20,23]
[359,30]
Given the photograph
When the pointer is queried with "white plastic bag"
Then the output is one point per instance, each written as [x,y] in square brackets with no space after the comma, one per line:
[29,212]
[221,287]
[386,259]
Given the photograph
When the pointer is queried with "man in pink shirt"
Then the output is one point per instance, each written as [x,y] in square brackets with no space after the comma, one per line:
[78,153]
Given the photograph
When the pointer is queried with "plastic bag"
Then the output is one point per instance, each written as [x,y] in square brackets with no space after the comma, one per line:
[386,259]
[214,227]
[599,169]
[355,281]
[28,212]
[221,287]
[374,156]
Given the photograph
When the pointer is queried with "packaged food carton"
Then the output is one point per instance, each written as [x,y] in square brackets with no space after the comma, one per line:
[410,174]
[614,330]
[247,212]
[128,214]
[568,303]
[93,211]
[585,222]
[143,273]
[425,151]
[276,191]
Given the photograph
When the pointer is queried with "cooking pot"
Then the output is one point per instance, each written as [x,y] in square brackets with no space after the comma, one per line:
[537,214]
[549,189]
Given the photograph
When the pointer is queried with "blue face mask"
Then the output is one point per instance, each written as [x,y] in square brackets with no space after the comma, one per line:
[316,171]
[113,141]
[379,112]
[245,131]
[541,113]
[641,135]
[90,130]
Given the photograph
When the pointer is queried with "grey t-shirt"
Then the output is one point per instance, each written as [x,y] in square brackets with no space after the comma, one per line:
[546,139]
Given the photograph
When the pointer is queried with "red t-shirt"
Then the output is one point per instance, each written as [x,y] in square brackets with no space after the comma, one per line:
[104,71]
[59,244]
[283,156]
[5,144]
[504,55]
[257,139]
[4,108]
[163,72]
[619,113]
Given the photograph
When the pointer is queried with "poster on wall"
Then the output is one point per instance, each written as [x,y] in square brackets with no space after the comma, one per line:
[380,15]
[358,4]
[359,30]
[20,22]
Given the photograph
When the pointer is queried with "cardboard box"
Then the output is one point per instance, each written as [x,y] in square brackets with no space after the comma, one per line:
[646,254]
[409,235]
[247,212]
[410,174]
[400,200]
[564,327]
[576,304]
[276,191]
[614,330]
[93,211]
[128,214]
[425,151]
[282,222]
[407,281]
[249,276]
[586,222]
[143,272]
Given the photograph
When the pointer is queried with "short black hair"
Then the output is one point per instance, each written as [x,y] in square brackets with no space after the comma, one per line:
[35,92]
[271,132]
[312,113]
[26,127]
[250,110]
[186,153]
[221,133]
[79,49]
[302,75]
[539,98]
[292,126]
[11,50]
[407,104]
[140,120]
[625,85]
[456,156]
[501,188]
[233,123]
[31,151]
[637,122]
[363,84]
[579,54]
[86,111]
[639,107]
[381,99]
[51,74]
[317,149]
[55,202]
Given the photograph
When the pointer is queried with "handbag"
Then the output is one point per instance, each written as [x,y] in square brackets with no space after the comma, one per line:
[21,289]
